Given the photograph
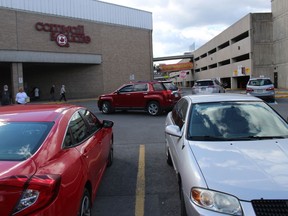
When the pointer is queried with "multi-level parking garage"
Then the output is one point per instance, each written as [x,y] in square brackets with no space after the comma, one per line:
[255,45]
[241,51]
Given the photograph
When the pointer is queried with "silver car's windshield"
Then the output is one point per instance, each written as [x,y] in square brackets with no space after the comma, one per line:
[235,121]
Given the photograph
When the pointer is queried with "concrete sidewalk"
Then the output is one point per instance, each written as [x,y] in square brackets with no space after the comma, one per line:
[281,93]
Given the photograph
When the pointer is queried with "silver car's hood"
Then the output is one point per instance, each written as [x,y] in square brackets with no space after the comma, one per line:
[248,170]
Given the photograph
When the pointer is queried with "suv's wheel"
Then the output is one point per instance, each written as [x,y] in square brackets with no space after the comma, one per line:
[106,107]
[169,159]
[153,108]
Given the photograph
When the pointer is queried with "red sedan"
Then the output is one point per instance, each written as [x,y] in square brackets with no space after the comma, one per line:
[52,158]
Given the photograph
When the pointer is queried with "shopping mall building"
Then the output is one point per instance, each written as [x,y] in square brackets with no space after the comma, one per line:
[254,46]
[90,46]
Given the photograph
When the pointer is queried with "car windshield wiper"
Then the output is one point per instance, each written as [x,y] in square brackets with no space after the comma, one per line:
[214,138]
[209,138]
[263,137]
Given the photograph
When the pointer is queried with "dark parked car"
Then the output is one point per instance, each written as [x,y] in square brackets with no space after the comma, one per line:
[52,159]
[151,96]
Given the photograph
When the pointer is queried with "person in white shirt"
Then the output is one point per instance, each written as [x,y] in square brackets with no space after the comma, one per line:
[36,93]
[21,97]
[63,93]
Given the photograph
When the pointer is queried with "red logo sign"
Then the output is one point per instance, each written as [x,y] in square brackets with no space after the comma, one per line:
[62,40]
[63,35]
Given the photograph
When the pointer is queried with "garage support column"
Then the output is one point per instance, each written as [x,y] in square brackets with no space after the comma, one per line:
[234,83]
[17,78]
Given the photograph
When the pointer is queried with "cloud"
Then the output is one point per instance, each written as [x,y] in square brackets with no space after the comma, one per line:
[179,24]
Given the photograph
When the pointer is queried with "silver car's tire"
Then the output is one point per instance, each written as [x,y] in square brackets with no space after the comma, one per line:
[169,159]
[85,205]
[183,207]
[153,108]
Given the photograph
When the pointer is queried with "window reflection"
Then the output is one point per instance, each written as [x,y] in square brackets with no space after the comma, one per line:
[235,120]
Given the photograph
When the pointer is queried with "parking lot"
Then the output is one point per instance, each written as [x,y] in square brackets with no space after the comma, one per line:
[121,191]
[140,182]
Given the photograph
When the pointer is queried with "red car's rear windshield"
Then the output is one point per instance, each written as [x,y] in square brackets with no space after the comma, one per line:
[20,140]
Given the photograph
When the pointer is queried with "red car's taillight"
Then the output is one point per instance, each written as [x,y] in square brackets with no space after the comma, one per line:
[168,94]
[38,191]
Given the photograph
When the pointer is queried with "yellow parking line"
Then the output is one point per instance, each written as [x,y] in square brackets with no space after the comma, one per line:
[140,186]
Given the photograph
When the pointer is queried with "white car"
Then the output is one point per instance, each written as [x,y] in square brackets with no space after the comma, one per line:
[261,87]
[230,154]
[208,86]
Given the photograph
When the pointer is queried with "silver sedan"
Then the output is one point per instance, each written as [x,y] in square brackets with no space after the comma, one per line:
[230,154]
[208,86]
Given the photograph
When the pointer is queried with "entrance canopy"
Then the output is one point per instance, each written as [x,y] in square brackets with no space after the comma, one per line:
[45,57]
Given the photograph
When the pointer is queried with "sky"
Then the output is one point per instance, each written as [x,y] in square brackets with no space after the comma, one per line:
[180,25]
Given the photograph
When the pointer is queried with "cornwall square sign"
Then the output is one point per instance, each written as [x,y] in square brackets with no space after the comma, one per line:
[63,35]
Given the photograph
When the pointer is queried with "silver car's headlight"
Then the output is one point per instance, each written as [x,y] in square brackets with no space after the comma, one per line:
[216,201]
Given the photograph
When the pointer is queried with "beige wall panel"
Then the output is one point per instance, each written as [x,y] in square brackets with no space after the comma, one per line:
[8,26]
[126,54]
[279,7]
[282,77]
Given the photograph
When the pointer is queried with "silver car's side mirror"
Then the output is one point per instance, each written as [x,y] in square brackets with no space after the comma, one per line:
[173,130]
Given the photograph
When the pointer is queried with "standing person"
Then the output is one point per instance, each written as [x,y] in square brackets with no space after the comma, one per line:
[5,96]
[36,93]
[52,93]
[21,97]
[62,93]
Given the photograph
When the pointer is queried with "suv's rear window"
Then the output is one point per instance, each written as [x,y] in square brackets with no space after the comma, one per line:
[20,140]
[260,82]
[204,83]
[158,87]
[170,86]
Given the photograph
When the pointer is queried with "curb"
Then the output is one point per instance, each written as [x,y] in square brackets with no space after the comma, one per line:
[278,94]
[63,102]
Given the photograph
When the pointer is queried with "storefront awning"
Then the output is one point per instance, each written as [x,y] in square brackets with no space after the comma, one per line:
[45,57]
